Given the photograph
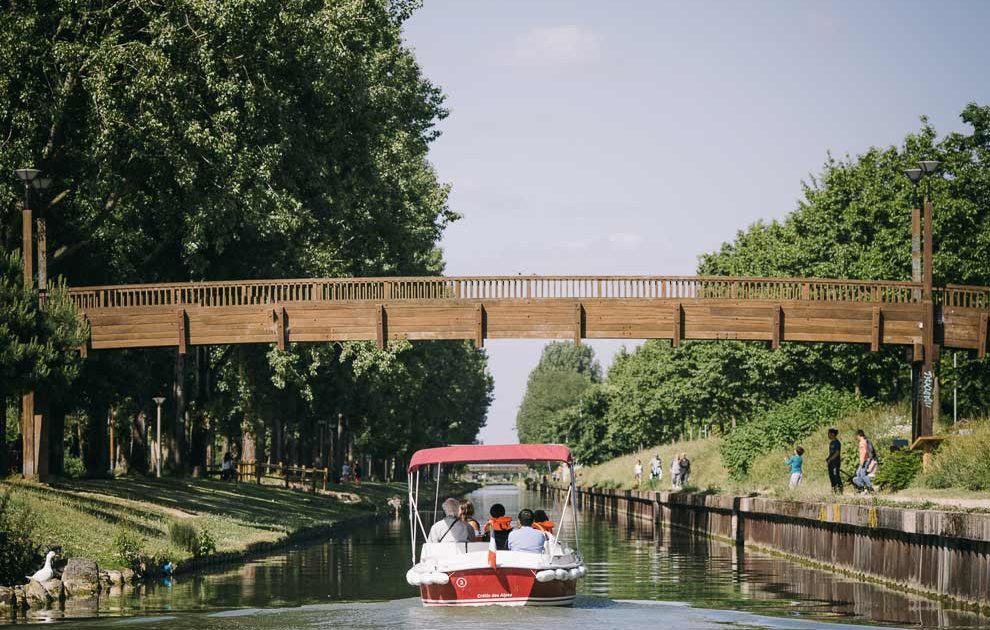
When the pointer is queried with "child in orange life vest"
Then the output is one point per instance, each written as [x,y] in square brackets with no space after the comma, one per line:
[499,526]
[542,522]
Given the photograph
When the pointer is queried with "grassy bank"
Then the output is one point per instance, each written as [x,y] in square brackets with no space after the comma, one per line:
[98,518]
[768,475]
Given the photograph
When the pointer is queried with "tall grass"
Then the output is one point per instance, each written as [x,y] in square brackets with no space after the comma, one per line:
[962,461]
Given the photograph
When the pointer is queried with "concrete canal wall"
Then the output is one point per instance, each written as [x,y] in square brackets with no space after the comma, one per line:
[941,554]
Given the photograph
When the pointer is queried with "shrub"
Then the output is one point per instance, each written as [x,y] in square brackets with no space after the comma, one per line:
[74,467]
[962,461]
[127,549]
[898,470]
[19,555]
[205,544]
[184,536]
[784,424]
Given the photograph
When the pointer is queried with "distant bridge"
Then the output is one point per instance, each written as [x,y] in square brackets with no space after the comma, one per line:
[774,310]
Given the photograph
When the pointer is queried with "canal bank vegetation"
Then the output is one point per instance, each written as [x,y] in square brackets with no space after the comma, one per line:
[152,521]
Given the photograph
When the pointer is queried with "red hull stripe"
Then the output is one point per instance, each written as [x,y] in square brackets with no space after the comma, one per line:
[527,601]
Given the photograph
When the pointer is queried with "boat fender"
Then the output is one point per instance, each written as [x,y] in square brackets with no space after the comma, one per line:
[441,578]
[575,573]
[545,576]
[582,570]
[413,578]
[562,574]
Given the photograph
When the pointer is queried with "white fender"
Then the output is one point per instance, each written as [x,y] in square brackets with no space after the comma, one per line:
[582,570]
[562,574]
[413,578]
[545,576]
[575,573]
[441,578]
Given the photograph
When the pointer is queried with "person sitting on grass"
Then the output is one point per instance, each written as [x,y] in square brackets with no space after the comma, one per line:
[499,526]
[525,538]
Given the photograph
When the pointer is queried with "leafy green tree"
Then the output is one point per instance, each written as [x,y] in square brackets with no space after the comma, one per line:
[564,372]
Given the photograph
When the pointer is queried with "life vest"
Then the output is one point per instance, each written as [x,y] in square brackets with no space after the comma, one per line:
[545,526]
[499,524]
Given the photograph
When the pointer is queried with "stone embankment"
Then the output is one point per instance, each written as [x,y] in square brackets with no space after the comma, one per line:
[934,553]
[80,578]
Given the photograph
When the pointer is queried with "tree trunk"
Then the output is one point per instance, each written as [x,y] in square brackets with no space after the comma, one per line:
[177,446]
[93,446]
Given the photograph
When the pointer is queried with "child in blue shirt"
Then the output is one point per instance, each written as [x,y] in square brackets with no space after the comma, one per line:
[796,462]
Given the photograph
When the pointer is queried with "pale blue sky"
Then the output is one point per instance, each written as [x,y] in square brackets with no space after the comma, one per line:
[629,137]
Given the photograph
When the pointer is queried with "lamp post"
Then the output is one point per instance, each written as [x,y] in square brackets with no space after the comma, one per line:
[923,382]
[158,437]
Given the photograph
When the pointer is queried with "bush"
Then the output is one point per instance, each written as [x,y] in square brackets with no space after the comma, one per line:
[127,549]
[898,470]
[19,555]
[74,468]
[962,462]
[784,424]
[186,537]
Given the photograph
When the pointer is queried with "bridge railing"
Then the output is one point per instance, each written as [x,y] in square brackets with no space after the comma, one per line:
[260,292]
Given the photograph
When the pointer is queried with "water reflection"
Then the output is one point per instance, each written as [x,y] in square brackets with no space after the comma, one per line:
[655,571]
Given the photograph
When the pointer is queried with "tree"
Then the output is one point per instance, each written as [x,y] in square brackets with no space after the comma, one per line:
[564,372]
[38,344]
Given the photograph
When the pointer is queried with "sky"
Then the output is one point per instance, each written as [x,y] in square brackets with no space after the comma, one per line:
[629,137]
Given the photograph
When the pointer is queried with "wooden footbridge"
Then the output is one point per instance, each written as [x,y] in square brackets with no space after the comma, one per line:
[546,307]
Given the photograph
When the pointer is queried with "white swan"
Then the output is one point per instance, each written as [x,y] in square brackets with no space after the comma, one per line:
[46,572]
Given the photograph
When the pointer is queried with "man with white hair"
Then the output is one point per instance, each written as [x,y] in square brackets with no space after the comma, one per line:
[450,528]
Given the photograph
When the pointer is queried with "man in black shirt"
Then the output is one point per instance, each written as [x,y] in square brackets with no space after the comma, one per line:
[834,460]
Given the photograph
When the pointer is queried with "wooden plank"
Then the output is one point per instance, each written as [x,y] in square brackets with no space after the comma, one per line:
[919,352]
[578,323]
[981,348]
[479,325]
[381,338]
[183,330]
[877,336]
[775,328]
[279,321]
[678,325]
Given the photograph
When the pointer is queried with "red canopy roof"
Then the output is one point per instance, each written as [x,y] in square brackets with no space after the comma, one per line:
[485,453]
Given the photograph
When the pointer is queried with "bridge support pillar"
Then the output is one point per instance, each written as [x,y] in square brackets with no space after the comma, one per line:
[34,438]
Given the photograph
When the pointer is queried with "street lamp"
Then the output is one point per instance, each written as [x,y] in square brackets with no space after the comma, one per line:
[923,381]
[158,437]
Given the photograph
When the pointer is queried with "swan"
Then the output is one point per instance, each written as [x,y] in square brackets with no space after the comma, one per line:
[46,572]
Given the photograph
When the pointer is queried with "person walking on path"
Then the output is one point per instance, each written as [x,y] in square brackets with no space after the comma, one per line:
[675,471]
[796,462]
[638,472]
[834,460]
[656,472]
[685,467]
[863,479]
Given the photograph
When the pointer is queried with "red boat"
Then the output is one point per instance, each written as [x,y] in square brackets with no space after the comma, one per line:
[478,574]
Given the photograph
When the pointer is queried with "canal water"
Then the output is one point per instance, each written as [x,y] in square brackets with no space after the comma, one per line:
[639,576]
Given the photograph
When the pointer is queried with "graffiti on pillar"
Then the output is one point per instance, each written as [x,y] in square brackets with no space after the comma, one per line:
[928,389]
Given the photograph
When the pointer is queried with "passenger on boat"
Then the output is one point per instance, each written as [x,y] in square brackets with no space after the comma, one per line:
[526,538]
[466,514]
[450,528]
[499,526]
[542,522]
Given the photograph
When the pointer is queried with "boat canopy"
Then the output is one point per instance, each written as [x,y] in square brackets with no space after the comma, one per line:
[485,453]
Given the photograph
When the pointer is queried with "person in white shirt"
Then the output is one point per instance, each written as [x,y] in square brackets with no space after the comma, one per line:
[450,528]
[525,538]
[638,472]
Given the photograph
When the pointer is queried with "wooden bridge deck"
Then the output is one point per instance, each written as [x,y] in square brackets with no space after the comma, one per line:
[546,307]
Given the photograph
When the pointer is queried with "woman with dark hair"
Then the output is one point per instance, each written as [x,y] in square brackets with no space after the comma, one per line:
[542,522]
